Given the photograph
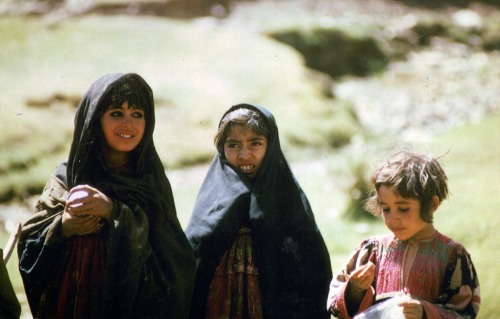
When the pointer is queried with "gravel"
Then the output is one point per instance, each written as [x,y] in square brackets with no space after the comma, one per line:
[434,89]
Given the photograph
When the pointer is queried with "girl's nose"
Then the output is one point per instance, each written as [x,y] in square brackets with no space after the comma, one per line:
[127,122]
[244,152]
[393,220]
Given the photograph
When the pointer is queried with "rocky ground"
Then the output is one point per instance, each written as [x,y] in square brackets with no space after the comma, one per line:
[434,88]
[440,87]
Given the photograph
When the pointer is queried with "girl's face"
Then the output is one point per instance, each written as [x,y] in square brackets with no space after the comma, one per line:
[402,215]
[245,150]
[123,129]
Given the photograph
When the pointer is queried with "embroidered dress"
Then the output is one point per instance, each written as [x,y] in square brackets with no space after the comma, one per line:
[441,276]
[81,283]
[234,291]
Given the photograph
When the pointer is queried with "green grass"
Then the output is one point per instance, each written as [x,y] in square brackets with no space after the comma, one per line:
[471,214]
[194,81]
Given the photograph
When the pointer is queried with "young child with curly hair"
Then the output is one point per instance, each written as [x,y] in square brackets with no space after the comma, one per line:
[432,271]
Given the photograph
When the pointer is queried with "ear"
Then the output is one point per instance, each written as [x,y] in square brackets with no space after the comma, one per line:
[435,203]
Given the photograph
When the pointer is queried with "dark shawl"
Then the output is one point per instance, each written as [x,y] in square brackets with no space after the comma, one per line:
[150,265]
[291,256]
[9,305]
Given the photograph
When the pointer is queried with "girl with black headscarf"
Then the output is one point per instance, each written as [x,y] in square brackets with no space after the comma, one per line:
[105,241]
[259,252]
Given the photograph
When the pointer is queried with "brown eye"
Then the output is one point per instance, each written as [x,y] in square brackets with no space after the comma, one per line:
[138,115]
[115,113]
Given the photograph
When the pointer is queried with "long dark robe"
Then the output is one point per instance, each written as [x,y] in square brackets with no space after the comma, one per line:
[9,305]
[149,265]
[290,254]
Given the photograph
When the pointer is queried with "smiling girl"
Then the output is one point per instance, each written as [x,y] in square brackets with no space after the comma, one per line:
[105,241]
[259,252]
[434,273]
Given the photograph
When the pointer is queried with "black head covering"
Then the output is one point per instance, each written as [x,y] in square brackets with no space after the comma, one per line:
[291,256]
[150,265]
[85,155]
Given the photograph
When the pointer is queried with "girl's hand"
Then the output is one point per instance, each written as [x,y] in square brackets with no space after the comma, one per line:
[363,276]
[412,309]
[360,280]
[79,225]
[84,211]
[85,200]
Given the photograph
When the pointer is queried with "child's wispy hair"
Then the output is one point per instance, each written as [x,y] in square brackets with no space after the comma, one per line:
[410,175]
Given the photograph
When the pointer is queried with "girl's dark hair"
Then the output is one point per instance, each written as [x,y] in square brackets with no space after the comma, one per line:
[126,90]
[242,116]
[410,175]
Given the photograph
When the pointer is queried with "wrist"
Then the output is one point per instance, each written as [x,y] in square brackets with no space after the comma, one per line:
[65,233]
[355,292]
[354,288]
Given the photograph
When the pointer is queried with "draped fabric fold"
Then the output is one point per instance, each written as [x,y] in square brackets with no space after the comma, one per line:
[293,262]
[148,265]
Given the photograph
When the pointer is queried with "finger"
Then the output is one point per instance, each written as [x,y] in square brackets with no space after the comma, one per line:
[90,226]
[84,204]
[90,221]
[80,212]
[367,271]
[83,187]
[84,191]
[357,275]
[372,258]
[410,304]
[77,198]
[73,219]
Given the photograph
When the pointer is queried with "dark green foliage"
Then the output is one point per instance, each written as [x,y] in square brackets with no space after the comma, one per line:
[490,36]
[336,52]
[425,30]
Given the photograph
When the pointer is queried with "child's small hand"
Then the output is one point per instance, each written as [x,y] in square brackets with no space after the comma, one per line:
[362,277]
[412,309]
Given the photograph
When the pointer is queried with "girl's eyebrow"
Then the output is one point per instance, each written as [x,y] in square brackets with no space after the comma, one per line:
[257,138]
[402,202]
[399,202]
[253,139]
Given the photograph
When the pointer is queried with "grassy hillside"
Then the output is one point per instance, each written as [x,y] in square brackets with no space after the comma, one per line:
[471,214]
[196,71]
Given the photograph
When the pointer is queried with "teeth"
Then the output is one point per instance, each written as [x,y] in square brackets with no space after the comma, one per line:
[246,167]
[125,136]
